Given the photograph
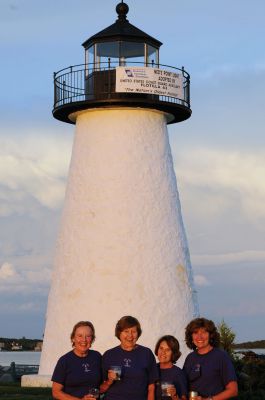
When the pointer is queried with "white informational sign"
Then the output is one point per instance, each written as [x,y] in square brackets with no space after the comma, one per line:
[149,80]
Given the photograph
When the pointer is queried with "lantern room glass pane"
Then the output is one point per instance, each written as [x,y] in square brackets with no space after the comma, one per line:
[107,50]
[131,51]
[152,55]
[89,59]
[103,55]
[91,52]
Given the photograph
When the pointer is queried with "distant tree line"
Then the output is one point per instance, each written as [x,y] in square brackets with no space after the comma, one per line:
[257,344]
[26,344]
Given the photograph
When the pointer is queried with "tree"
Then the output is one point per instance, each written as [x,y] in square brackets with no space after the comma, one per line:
[227,337]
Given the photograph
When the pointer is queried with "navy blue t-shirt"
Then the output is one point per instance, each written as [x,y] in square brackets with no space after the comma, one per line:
[176,376]
[138,371]
[208,374]
[78,374]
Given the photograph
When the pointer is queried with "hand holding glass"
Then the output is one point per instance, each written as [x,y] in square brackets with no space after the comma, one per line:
[168,389]
[94,392]
[117,371]
[193,395]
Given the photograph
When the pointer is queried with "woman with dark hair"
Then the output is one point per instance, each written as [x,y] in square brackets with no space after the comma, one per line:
[167,352]
[79,370]
[209,370]
[136,380]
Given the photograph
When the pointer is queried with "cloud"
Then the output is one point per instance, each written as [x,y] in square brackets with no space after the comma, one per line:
[33,167]
[27,274]
[249,257]
[201,280]
[7,271]
[226,179]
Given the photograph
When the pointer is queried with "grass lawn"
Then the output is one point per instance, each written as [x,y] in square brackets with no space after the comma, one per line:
[13,391]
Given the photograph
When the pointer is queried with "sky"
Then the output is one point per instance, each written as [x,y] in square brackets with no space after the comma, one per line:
[219,153]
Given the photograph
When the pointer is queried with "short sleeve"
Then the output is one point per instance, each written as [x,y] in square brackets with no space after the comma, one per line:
[183,383]
[59,373]
[228,371]
[152,369]
[104,366]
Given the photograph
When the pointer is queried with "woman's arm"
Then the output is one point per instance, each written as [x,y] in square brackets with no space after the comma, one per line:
[106,384]
[59,394]
[230,391]
[151,392]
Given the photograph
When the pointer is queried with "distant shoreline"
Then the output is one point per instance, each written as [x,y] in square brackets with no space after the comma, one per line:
[24,345]
[257,344]
[20,351]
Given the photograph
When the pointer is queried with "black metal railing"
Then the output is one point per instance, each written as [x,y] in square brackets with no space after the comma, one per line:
[17,370]
[78,84]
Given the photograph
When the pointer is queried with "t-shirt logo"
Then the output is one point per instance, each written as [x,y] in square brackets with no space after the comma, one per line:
[127,362]
[195,373]
[86,367]
[197,368]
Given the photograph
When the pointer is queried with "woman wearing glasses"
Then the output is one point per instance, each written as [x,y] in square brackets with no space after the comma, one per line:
[78,371]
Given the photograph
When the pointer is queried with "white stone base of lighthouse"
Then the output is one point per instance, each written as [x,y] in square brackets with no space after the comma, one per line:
[122,248]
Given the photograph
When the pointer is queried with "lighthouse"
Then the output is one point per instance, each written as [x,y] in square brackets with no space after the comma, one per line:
[122,248]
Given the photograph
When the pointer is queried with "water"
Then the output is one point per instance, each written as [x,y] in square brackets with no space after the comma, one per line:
[33,357]
[257,351]
[19,357]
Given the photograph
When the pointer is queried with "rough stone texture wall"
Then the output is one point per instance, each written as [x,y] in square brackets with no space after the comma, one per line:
[122,248]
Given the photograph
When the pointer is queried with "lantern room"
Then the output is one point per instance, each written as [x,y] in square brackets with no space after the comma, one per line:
[121,44]
[122,69]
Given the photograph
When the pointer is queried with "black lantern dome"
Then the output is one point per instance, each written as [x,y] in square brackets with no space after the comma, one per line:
[122,42]
[94,84]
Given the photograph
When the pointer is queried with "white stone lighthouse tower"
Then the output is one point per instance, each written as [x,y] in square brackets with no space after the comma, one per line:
[122,248]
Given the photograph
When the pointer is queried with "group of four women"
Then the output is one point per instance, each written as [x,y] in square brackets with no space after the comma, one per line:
[130,372]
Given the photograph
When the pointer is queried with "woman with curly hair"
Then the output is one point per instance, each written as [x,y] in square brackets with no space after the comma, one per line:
[209,370]
[167,352]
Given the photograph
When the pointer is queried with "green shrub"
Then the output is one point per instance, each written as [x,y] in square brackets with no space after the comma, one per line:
[251,379]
